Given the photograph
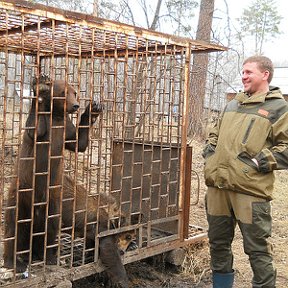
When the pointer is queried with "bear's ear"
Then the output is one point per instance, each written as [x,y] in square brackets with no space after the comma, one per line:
[44,85]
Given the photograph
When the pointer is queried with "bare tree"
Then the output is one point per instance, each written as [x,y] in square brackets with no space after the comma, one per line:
[95,8]
[156,16]
[199,69]
[179,11]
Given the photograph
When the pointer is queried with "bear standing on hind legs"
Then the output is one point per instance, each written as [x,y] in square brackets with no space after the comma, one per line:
[35,193]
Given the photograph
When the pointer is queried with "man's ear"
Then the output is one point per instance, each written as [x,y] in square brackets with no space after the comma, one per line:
[266,75]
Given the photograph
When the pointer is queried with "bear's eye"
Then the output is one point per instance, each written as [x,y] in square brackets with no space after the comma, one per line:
[128,237]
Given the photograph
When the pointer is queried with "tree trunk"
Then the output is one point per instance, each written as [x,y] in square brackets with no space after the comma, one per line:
[156,16]
[95,8]
[199,70]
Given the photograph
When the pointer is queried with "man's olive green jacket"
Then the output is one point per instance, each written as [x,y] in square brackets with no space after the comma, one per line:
[250,127]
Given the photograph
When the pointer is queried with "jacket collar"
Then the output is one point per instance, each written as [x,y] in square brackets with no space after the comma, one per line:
[274,92]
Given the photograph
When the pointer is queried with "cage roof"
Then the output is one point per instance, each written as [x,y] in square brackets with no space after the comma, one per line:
[31,27]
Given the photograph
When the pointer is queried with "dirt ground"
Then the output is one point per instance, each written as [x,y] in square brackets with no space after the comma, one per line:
[195,272]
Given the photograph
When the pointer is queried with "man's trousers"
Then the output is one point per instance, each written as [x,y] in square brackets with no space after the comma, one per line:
[224,210]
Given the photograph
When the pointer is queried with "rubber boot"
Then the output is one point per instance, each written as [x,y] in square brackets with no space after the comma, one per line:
[223,280]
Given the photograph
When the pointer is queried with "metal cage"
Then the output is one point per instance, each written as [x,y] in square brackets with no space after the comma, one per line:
[137,151]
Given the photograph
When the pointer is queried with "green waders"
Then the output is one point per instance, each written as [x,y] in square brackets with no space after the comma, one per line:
[224,210]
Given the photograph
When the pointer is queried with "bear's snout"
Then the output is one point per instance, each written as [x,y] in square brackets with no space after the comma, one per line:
[75,107]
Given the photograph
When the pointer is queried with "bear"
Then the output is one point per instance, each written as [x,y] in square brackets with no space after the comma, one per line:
[33,198]
[106,209]
[76,203]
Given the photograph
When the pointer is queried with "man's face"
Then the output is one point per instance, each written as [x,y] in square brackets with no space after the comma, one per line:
[254,81]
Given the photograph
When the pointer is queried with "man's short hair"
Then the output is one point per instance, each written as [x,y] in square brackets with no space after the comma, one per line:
[264,63]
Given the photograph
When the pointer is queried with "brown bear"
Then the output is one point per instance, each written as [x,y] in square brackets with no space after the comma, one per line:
[106,209]
[110,250]
[34,196]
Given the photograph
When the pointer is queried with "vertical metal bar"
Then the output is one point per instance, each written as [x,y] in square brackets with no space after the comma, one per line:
[172,78]
[76,156]
[128,118]
[110,116]
[34,158]
[184,139]
[154,98]
[161,120]
[134,104]
[118,117]
[187,195]
[90,145]
[66,73]
[47,190]
[3,130]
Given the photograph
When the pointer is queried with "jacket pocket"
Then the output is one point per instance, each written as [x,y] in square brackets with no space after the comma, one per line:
[246,135]
[247,159]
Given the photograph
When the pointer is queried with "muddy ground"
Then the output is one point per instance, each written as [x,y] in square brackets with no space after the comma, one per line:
[195,272]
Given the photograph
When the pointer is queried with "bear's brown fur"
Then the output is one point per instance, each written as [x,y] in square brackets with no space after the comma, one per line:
[107,209]
[35,193]
[100,206]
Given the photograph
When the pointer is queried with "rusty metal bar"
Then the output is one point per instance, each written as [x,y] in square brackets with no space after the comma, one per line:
[184,141]
[187,195]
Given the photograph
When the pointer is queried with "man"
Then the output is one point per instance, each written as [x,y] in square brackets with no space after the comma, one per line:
[247,144]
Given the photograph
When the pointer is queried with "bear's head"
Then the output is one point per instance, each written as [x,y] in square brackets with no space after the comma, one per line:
[62,94]
[124,239]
